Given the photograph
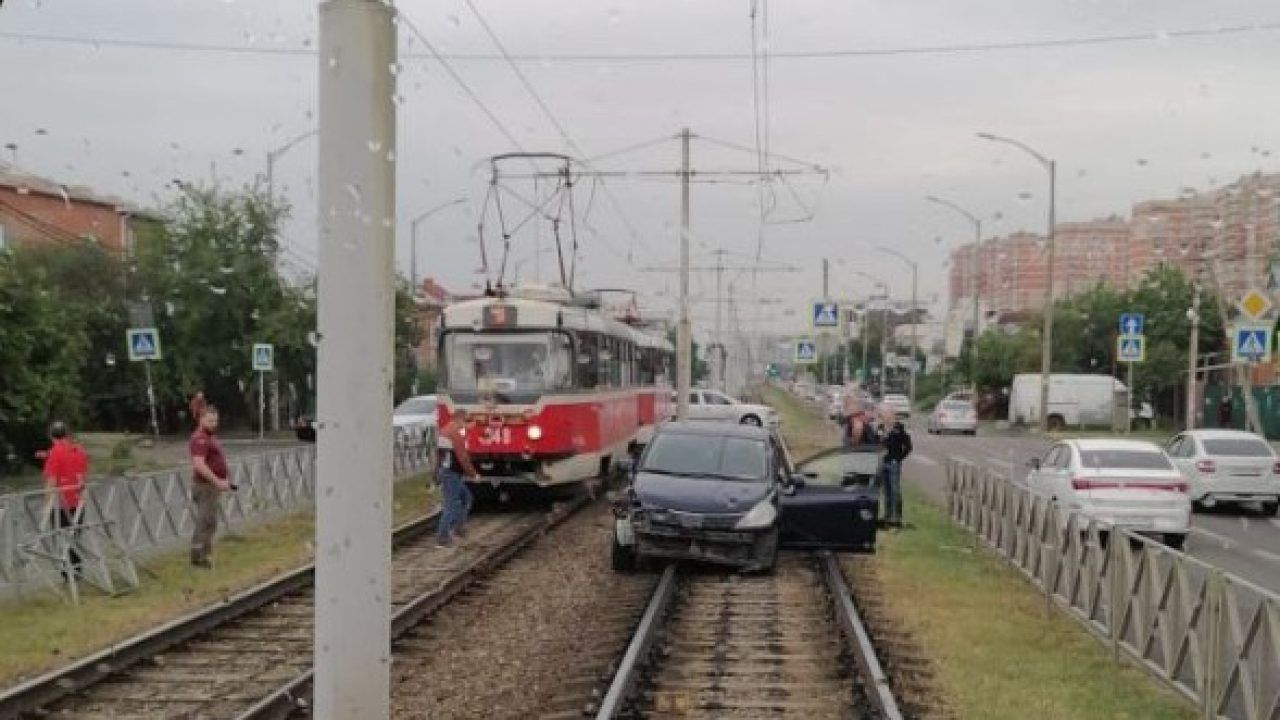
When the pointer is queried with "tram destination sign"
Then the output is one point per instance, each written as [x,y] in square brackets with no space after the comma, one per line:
[499,316]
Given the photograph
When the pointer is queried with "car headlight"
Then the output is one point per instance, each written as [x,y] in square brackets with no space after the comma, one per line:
[534,432]
[760,516]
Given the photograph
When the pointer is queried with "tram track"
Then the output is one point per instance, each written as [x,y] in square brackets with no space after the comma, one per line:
[250,656]
[789,644]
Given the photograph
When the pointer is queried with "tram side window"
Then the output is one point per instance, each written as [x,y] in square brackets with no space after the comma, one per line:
[561,360]
[587,361]
[646,366]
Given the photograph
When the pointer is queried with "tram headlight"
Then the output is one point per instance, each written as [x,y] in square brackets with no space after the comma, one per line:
[534,432]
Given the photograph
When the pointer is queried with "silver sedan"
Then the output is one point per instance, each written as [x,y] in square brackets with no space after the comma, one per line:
[953,416]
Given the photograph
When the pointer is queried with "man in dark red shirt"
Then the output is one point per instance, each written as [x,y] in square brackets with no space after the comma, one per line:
[208,482]
[65,469]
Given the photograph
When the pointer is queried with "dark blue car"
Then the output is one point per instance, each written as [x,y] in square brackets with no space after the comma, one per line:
[729,494]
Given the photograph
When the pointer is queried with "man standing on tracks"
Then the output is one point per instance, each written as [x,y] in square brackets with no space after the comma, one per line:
[65,469]
[452,462]
[897,444]
[209,479]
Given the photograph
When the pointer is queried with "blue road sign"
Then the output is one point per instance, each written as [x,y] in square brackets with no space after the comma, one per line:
[826,314]
[1131,348]
[1251,343]
[263,357]
[806,351]
[143,343]
[1131,323]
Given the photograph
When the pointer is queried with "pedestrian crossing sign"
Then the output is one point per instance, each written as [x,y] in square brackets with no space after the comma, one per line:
[263,357]
[143,344]
[806,352]
[1251,343]
[1131,348]
[826,315]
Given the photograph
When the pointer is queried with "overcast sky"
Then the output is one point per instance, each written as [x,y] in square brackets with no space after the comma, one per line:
[1125,120]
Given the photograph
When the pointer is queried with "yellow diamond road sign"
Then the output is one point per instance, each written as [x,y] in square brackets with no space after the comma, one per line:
[1254,304]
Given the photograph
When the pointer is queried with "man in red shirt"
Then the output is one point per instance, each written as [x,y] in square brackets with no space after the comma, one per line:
[208,482]
[65,469]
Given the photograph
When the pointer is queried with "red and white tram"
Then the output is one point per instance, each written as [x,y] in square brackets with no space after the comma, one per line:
[554,388]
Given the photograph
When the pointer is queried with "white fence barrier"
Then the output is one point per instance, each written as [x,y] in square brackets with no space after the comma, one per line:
[153,511]
[1210,635]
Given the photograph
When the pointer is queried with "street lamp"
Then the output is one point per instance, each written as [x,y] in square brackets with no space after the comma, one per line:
[975,264]
[1046,348]
[911,391]
[413,237]
[273,155]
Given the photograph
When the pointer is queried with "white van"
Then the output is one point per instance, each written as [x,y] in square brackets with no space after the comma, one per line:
[1074,400]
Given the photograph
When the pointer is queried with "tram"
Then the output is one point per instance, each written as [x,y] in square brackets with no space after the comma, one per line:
[556,389]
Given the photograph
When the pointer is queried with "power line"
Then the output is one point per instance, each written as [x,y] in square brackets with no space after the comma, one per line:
[555,122]
[660,57]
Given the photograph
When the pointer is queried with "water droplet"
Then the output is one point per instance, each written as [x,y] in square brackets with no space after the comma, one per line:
[24,190]
[353,191]
[313,338]
[394,69]
[237,151]
[454,20]
[1142,162]
[391,156]
[375,145]
[333,61]
[217,290]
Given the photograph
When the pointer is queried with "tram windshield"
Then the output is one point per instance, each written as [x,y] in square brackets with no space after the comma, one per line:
[509,363]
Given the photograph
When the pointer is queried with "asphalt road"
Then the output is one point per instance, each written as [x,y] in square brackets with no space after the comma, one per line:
[1238,540]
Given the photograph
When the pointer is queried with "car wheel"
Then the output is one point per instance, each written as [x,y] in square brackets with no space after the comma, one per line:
[623,558]
[971,433]
[750,420]
[1175,541]
[1270,508]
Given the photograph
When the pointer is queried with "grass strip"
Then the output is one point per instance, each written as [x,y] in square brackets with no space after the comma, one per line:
[43,632]
[998,654]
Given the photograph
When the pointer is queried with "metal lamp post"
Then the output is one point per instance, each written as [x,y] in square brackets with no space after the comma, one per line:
[911,392]
[975,265]
[273,155]
[413,237]
[1046,347]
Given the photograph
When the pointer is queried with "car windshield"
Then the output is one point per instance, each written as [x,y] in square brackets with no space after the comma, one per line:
[1124,460]
[732,458]
[1237,447]
[507,363]
[417,406]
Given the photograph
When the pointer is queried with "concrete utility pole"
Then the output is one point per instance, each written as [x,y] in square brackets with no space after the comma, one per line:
[1193,350]
[684,331]
[826,345]
[357,52]
[1046,344]
[719,332]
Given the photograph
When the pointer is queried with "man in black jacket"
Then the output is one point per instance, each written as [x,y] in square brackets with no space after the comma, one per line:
[897,445]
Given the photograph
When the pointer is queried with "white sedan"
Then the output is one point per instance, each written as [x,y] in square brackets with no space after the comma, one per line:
[1229,466]
[1128,484]
[718,407]
[414,420]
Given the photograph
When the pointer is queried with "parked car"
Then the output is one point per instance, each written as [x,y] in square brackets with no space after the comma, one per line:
[1227,466]
[1075,400]
[712,405]
[728,494]
[953,416]
[1128,484]
[414,420]
[899,403]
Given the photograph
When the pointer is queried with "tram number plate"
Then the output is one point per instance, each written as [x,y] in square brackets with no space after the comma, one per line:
[490,435]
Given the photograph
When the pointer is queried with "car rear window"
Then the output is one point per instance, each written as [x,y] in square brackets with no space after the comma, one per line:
[957,406]
[695,454]
[1237,447]
[1125,459]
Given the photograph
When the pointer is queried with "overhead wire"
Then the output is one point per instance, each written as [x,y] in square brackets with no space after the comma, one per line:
[1157,36]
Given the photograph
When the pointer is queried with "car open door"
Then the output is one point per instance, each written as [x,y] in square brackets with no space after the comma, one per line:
[831,502]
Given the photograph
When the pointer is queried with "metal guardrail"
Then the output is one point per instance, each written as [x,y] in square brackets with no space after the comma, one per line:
[1211,636]
[153,510]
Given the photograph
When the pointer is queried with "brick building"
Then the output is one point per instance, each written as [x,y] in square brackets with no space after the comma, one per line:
[1239,224]
[37,210]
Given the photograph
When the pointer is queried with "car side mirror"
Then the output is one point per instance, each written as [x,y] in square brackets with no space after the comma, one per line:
[798,480]
[1034,463]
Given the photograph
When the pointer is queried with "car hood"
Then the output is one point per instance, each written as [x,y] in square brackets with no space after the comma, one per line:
[698,495]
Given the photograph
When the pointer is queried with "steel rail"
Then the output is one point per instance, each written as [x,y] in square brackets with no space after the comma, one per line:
[879,691]
[62,682]
[637,654]
[296,694]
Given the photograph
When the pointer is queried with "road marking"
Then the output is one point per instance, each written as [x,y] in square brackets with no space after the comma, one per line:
[926,460]
[1267,555]
[1223,540]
